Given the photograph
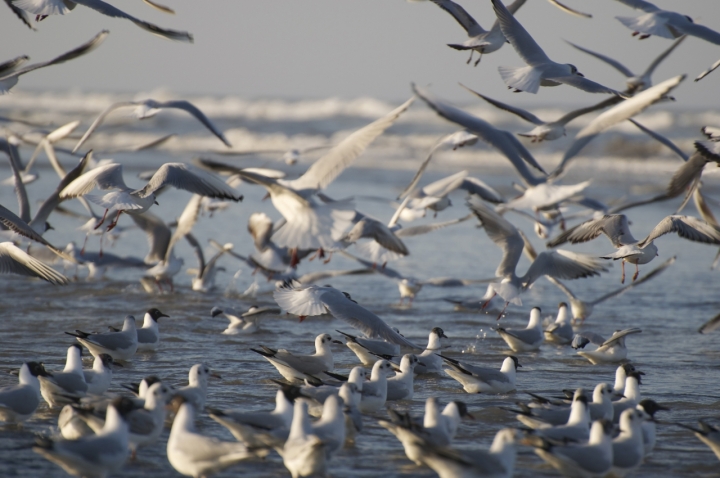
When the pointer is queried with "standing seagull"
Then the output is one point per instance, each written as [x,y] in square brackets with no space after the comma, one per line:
[527,339]
[480,40]
[119,345]
[9,76]
[137,201]
[19,402]
[541,70]
[149,108]
[43,8]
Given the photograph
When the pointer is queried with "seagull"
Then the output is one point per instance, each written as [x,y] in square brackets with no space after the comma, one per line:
[319,391]
[650,407]
[430,359]
[629,249]
[621,374]
[541,70]
[330,428]
[195,393]
[635,83]
[44,8]
[316,300]
[601,408]
[247,322]
[64,387]
[374,391]
[193,454]
[148,108]
[558,264]
[581,309]
[663,23]
[611,350]
[710,325]
[119,345]
[95,455]
[14,260]
[297,367]
[593,459]
[318,225]
[400,387]
[19,402]
[709,70]
[11,73]
[527,339]
[256,428]
[99,377]
[624,110]
[631,394]
[576,428]
[149,334]
[476,379]
[368,350]
[560,331]
[569,10]
[544,130]
[708,434]
[628,448]
[304,452]
[351,397]
[498,462]
[480,40]
[137,201]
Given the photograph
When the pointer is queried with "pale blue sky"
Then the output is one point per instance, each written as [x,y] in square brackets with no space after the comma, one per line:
[346,48]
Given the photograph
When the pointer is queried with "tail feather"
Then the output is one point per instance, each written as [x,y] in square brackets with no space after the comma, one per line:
[524,78]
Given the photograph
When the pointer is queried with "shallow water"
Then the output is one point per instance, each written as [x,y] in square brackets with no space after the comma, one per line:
[681,365]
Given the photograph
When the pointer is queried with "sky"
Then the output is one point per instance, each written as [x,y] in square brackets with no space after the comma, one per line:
[301,49]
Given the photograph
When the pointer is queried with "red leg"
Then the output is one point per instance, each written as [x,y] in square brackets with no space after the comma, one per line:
[488,301]
[101,220]
[114,223]
[502,311]
[294,258]
[637,272]
[622,266]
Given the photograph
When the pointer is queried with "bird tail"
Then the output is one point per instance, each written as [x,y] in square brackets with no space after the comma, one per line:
[523,78]
[79,333]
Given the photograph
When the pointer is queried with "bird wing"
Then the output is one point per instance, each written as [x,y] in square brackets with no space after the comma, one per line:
[546,195]
[382,235]
[42,214]
[14,260]
[653,273]
[461,16]
[20,191]
[479,188]
[502,233]
[12,65]
[614,226]
[483,373]
[563,265]
[709,70]
[185,222]
[199,254]
[416,179]
[710,325]
[524,114]
[189,178]
[503,141]
[627,109]
[109,10]
[313,277]
[328,167]
[699,31]
[260,227]
[426,228]
[199,115]
[519,38]
[610,61]
[569,10]
[99,120]
[568,117]
[445,186]
[584,84]
[301,301]
[651,67]
[660,138]
[158,234]
[640,5]
[71,55]
[688,227]
[619,335]
[20,14]
[108,176]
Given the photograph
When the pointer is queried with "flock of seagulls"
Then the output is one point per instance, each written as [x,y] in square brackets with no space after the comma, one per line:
[609,431]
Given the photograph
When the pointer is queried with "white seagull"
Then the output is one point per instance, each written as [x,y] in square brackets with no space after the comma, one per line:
[400,387]
[149,108]
[612,350]
[560,331]
[480,40]
[541,70]
[296,367]
[119,345]
[527,339]
[195,393]
[19,402]
[137,201]
[476,379]
[149,334]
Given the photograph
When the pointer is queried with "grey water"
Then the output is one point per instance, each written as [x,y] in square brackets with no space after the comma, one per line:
[682,367]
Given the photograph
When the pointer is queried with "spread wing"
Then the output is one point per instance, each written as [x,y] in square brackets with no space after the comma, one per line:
[563,265]
[14,260]
[502,233]
[199,115]
[189,178]
[519,38]
[610,61]
[688,227]
[614,226]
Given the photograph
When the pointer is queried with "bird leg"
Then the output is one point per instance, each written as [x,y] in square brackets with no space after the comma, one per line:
[478,60]
[39,18]
[294,261]
[622,266]
[329,258]
[114,223]
[488,301]
[172,288]
[470,59]
[635,34]
[101,244]
[101,220]
[157,282]
[82,251]
[643,37]
[637,272]
[502,311]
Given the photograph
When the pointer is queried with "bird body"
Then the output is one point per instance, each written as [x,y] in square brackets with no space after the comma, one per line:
[297,367]
[119,345]
[527,339]
[476,379]
[19,402]
[149,334]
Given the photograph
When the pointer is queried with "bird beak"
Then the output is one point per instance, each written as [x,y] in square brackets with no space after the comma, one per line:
[470,416]
[156,203]
[619,395]
[580,74]
[397,369]
[337,342]
[215,375]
